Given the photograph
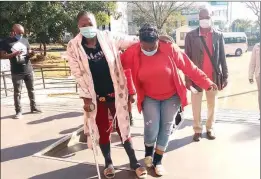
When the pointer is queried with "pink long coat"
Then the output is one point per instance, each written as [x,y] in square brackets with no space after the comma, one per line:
[77,58]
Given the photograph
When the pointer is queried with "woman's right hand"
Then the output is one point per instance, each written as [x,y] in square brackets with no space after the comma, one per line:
[88,104]
[188,85]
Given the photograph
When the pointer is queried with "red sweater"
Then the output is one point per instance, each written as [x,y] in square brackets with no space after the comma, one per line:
[179,60]
[156,77]
[207,65]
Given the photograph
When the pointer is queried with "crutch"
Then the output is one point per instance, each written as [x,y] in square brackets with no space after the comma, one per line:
[94,146]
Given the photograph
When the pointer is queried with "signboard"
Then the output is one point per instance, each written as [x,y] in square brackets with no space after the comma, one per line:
[189,12]
[218,3]
[5,65]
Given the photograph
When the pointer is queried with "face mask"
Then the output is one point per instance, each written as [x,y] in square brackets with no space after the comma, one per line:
[88,32]
[151,53]
[205,23]
[18,37]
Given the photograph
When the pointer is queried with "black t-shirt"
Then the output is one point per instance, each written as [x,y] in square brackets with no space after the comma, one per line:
[19,64]
[103,84]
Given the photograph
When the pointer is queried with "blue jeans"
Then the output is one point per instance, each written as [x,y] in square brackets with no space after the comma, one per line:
[159,118]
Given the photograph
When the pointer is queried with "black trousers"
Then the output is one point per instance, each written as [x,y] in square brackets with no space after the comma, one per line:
[17,80]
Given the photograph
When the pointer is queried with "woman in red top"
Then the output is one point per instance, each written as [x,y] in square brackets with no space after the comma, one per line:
[160,90]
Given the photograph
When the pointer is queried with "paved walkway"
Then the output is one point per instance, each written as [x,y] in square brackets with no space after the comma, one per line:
[234,155]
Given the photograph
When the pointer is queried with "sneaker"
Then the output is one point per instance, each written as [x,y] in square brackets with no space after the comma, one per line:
[148,161]
[18,115]
[36,110]
[160,170]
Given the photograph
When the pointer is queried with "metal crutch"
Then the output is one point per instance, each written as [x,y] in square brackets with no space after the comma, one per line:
[94,146]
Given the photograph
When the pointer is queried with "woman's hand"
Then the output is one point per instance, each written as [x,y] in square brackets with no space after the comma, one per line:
[188,84]
[131,98]
[88,105]
[213,87]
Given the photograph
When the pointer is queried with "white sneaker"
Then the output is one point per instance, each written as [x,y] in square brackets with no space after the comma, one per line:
[18,115]
[148,161]
[160,170]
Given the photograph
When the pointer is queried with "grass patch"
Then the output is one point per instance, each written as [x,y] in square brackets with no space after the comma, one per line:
[49,62]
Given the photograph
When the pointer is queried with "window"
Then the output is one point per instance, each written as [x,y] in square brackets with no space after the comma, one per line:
[231,40]
[193,23]
[241,40]
[182,35]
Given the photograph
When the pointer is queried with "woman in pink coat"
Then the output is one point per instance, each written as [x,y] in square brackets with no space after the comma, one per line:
[93,57]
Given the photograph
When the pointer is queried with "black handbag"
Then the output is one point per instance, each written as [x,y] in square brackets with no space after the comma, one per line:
[219,75]
[178,117]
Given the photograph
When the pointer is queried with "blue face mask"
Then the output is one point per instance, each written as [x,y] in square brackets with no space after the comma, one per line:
[18,37]
[88,32]
[151,53]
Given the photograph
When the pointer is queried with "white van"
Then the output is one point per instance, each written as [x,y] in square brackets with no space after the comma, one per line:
[235,43]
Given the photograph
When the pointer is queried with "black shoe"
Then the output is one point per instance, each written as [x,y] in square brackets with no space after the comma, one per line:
[18,115]
[36,110]
[211,135]
[197,137]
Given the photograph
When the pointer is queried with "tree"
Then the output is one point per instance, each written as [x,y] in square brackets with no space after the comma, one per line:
[158,13]
[241,25]
[102,10]
[47,21]
[9,15]
[255,7]
[174,21]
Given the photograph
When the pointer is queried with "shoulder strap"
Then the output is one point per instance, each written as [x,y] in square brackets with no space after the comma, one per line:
[217,70]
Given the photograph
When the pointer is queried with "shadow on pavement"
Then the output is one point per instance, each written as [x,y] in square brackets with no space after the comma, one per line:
[68,131]
[251,132]
[57,116]
[8,117]
[81,171]
[24,150]
[179,143]
[12,116]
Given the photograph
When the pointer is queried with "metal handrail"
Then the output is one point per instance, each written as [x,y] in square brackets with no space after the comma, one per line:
[42,69]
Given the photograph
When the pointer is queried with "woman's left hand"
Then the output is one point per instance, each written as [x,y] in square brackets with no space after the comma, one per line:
[131,98]
[213,87]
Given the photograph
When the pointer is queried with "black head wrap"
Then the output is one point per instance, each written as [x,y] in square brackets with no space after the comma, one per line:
[148,33]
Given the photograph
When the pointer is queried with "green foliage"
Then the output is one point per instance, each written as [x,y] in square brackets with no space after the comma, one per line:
[47,21]
[241,25]
[11,13]
[102,18]
[173,22]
